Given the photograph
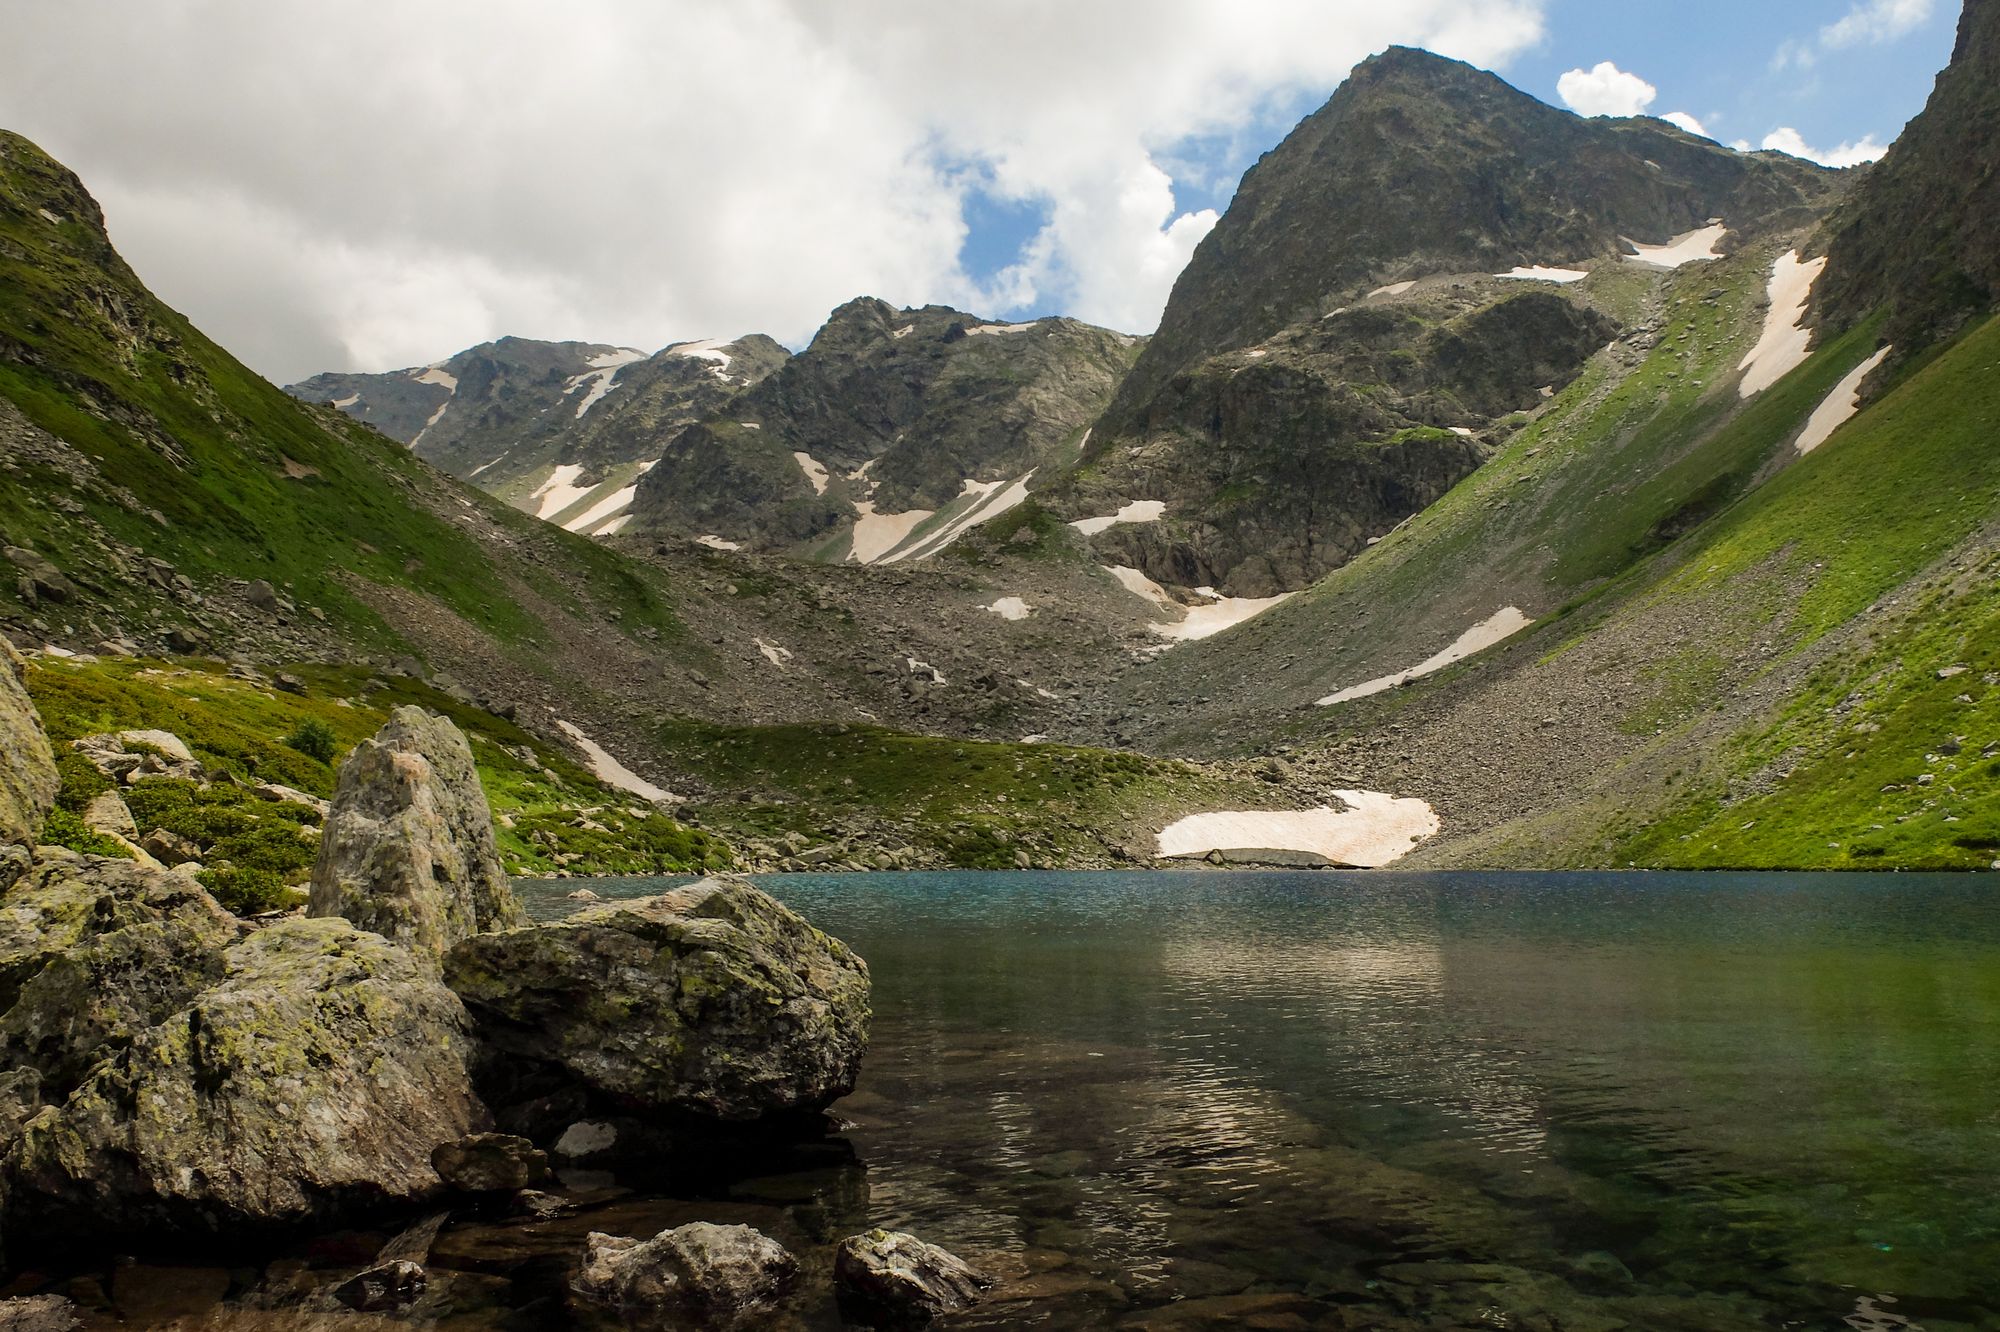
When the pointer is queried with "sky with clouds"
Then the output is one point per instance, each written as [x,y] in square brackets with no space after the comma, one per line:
[376,184]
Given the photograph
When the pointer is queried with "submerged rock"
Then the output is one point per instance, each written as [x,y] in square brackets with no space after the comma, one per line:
[890,1276]
[698,1275]
[392,1285]
[408,847]
[28,780]
[490,1163]
[314,1080]
[712,1000]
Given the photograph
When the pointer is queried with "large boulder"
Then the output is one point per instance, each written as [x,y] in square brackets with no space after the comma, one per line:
[698,1275]
[313,1082]
[146,943]
[408,848]
[892,1277]
[28,779]
[67,899]
[711,1001]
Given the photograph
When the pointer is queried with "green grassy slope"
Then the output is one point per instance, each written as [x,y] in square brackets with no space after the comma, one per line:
[199,462]
[1876,556]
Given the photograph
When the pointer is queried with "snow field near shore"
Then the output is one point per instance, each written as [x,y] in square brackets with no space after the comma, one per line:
[1374,829]
[610,771]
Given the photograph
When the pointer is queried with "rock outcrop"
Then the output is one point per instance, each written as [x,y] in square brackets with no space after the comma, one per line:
[408,848]
[698,1275]
[313,1081]
[892,1277]
[28,780]
[711,1001]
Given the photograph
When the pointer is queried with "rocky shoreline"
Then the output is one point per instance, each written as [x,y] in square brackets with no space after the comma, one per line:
[411,1048]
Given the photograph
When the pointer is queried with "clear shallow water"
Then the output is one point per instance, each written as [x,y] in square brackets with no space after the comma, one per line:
[1388,1100]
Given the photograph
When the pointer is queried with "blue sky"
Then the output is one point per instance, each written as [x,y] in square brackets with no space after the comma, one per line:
[1742,68]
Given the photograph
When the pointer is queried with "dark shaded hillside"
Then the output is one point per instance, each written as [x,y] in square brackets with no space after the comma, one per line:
[1922,233]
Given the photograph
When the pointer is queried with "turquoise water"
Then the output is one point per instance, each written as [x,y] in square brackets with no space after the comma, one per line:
[1386,1100]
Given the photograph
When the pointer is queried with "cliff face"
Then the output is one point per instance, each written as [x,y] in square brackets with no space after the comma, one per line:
[1921,234]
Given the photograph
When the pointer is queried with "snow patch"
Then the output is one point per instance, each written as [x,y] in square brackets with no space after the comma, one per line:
[708,349]
[904,332]
[925,668]
[1691,247]
[485,466]
[1220,614]
[1840,405]
[614,358]
[815,471]
[876,534]
[610,771]
[1138,511]
[750,425]
[1540,274]
[600,384]
[1374,829]
[714,542]
[1010,608]
[1466,431]
[1502,624]
[979,329]
[559,491]
[1785,343]
[615,526]
[1394,288]
[432,374]
[774,654]
[603,511]
[344,403]
[54,219]
[993,498]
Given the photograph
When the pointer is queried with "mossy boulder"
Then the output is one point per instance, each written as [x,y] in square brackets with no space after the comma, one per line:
[310,1085]
[67,900]
[712,1001]
[408,849]
[28,780]
[148,941]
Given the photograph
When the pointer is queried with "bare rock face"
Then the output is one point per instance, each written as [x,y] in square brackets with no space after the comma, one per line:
[313,1081]
[408,850]
[712,1001]
[28,780]
[698,1275]
[889,1277]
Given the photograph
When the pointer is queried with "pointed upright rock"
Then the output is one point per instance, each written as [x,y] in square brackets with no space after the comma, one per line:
[408,850]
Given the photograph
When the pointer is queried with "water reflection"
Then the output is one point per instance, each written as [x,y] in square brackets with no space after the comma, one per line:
[1642,1101]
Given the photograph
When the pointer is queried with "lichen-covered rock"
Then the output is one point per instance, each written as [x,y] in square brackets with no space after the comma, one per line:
[890,1276]
[128,756]
[67,899]
[490,1163]
[314,1080]
[28,779]
[100,994]
[408,847]
[698,1275]
[712,1001]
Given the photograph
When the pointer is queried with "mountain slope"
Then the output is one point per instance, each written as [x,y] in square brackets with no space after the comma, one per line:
[507,415]
[1419,165]
[1922,233]
[898,422]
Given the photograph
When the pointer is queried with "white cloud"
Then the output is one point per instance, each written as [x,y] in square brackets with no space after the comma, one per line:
[1687,122]
[1875,22]
[384,190]
[1868,23]
[1605,90]
[1789,140]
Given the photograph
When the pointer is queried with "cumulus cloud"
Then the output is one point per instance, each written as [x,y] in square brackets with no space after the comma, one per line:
[1687,122]
[1605,90]
[1789,140]
[385,187]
